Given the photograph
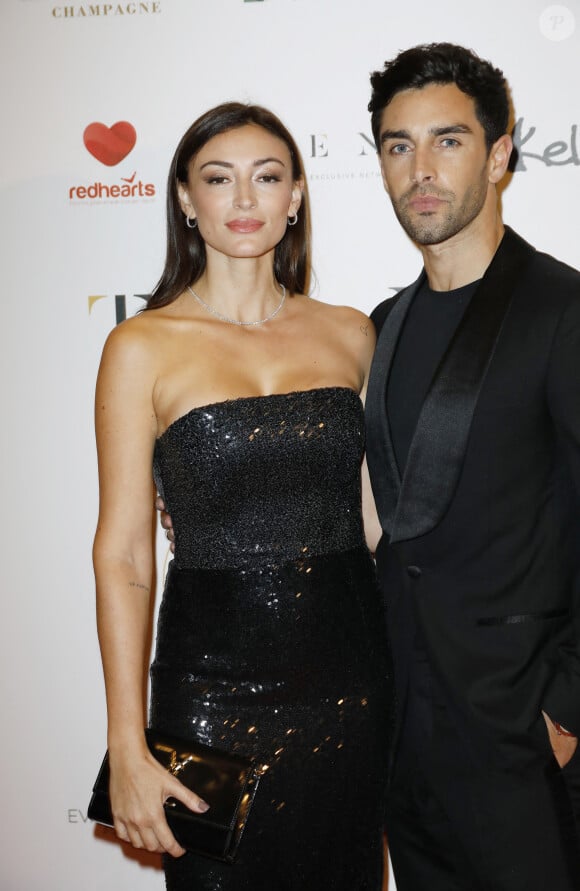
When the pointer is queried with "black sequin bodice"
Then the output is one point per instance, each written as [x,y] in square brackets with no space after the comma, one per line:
[267,476]
[270,635]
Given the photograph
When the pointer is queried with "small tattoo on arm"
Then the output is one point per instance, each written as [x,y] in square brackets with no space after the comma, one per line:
[138,585]
[365,330]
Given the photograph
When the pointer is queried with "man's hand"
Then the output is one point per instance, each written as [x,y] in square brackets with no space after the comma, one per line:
[563,745]
[165,521]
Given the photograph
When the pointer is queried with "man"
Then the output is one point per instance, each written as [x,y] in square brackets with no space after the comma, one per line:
[473,445]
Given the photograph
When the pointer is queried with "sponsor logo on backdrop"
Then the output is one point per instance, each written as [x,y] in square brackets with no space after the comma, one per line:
[527,145]
[128,188]
[321,146]
[110,146]
[105,10]
[76,815]
[120,303]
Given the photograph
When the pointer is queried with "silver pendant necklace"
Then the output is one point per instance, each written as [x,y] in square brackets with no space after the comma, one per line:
[222,318]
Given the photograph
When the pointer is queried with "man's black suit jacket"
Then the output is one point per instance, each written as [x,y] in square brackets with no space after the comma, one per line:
[483,530]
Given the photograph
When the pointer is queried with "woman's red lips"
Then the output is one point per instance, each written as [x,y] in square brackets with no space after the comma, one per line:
[244,225]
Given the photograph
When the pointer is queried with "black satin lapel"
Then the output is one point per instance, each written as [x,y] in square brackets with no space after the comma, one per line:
[383,469]
[438,447]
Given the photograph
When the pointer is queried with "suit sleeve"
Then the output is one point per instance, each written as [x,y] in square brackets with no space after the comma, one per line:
[562,698]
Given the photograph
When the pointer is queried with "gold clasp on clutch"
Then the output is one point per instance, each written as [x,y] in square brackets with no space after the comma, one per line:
[176,764]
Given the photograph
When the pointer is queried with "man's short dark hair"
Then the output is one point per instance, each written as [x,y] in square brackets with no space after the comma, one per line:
[444,63]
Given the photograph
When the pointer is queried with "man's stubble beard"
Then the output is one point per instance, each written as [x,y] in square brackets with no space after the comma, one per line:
[429,229]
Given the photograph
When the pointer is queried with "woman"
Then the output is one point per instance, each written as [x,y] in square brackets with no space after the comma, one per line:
[243,394]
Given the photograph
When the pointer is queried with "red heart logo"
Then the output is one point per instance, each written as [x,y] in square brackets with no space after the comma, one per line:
[110,145]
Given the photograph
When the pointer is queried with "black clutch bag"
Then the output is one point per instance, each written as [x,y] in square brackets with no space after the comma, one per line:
[226,782]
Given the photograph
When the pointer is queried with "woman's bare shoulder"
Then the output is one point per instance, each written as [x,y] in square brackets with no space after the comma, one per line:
[340,314]
[346,320]
[137,331]
[133,342]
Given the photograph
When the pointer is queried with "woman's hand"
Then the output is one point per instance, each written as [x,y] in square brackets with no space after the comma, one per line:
[563,743]
[138,790]
[165,521]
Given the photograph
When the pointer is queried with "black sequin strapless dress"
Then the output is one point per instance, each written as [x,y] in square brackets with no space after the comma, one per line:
[271,638]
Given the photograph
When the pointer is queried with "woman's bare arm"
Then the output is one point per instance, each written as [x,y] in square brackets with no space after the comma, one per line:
[126,428]
[372,526]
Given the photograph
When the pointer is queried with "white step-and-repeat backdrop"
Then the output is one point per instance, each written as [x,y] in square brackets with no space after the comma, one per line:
[95,97]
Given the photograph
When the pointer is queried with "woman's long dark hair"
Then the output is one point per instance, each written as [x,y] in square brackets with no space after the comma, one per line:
[185,259]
